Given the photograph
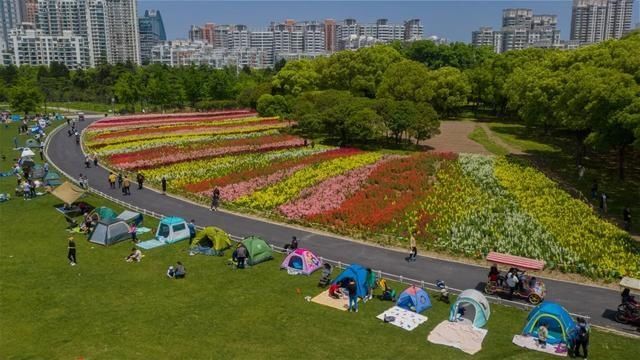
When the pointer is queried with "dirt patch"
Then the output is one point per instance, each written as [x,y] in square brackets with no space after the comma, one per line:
[454,137]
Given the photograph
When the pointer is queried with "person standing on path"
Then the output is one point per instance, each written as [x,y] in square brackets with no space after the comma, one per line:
[192,231]
[71,252]
[87,162]
[215,199]
[413,249]
[112,180]
[140,180]
[626,217]
[95,160]
[164,184]
[77,134]
[353,296]
[120,180]
[126,184]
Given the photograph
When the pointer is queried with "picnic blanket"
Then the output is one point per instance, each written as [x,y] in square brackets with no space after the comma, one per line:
[403,318]
[151,244]
[529,342]
[142,230]
[461,335]
[324,299]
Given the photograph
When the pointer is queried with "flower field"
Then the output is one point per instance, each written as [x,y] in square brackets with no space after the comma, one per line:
[456,203]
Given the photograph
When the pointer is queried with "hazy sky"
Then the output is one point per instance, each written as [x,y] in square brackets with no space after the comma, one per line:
[451,19]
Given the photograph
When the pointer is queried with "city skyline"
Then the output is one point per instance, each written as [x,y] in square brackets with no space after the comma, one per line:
[454,20]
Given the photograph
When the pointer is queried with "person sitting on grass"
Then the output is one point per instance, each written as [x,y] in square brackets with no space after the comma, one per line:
[543,334]
[135,256]
[177,272]
[335,291]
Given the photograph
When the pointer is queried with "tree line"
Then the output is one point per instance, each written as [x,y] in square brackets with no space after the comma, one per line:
[391,92]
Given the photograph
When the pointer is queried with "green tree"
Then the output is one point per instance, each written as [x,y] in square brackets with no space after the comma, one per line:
[424,124]
[406,80]
[451,90]
[273,105]
[25,96]
[296,77]
[532,94]
[127,90]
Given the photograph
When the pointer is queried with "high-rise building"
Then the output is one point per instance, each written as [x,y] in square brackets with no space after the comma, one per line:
[152,33]
[521,29]
[34,47]
[313,38]
[263,40]
[122,31]
[329,35]
[413,30]
[598,20]
[208,33]
[9,19]
[28,11]
[97,34]
[238,37]
[195,33]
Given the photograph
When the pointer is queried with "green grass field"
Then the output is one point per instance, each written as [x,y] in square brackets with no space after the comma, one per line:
[480,136]
[105,308]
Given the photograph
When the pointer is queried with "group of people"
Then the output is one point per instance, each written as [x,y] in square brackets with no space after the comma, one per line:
[580,340]
[348,287]
[91,159]
[123,183]
[515,279]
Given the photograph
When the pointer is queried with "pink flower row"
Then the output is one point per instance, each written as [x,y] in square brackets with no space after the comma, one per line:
[327,195]
[232,192]
[170,119]
[195,154]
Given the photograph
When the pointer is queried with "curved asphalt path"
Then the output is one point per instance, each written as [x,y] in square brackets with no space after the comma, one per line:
[597,303]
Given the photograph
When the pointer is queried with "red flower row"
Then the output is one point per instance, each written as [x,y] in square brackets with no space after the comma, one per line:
[120,120]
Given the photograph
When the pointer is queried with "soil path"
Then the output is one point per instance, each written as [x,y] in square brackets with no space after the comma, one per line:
[454,137]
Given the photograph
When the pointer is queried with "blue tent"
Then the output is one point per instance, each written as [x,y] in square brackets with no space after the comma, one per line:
[414,299]
[357,273]
[560,324]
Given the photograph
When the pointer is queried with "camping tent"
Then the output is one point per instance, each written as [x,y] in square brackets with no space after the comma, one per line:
[103,213]
[357,273]
[67,192]
[258,249]
[172,229]
[131,217]
[109,231]
[211,241]
[52,179]
[479,302]
[414,299]
[301,261]
[37,171]
[560,324]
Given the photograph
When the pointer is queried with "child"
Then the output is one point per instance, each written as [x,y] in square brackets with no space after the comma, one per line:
[136,255]
[335,292]
[543,333]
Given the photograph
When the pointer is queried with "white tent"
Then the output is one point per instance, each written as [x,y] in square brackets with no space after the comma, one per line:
[478,301]
[26,152]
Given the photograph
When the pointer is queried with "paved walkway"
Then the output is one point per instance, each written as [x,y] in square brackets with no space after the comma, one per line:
[597,303]
[454,137]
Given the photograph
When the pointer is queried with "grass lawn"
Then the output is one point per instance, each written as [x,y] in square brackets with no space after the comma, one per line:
[84,106]
[105,308]
[554,153]
[480,136]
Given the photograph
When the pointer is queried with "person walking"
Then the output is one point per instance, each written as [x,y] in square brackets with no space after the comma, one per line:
[413,249]
[112,180]
[241,255]
[41,154]
[215,199]
[192,231]
[87,162]
[77,134]
[626,217]
[71,252]
[582,338]
[140,180]
[164,184]
[120,180]
[353,296]
[126,186]
[15,142]
[45,167]
[85,181]
[603,202]
[81,181]
[95,160]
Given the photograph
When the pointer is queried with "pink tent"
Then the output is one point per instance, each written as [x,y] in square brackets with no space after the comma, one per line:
[301,261]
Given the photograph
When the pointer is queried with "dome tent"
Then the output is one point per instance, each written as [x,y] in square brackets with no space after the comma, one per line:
[258,249]
[172,229]
[109,231]
[211,241]
[357,273]
[479,302]
[414,299]
[103,213]
[301,261]
[559,323]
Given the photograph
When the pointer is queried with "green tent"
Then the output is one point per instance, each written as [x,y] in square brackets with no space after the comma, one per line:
[103,213]
[258,249]
[52,179]
[211,240]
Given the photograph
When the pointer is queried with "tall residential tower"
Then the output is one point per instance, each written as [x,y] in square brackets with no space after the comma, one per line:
[598,20]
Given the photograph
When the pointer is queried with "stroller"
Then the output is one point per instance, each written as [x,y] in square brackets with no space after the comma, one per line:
[327,269]
[388,294]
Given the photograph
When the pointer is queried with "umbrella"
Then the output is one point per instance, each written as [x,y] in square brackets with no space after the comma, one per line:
[26,152]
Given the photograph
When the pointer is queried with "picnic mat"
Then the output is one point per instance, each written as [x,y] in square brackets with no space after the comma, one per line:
[460,335]
[324,299]
[151,244]
[529,342]
[142,230]
[403,318]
